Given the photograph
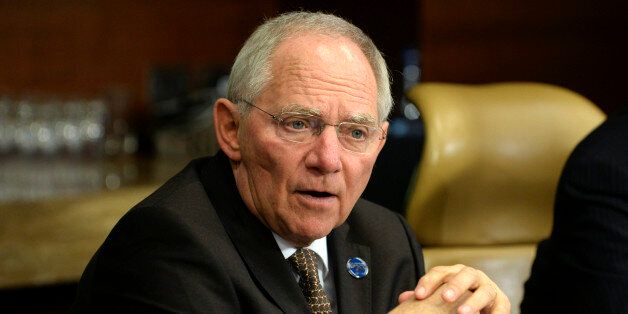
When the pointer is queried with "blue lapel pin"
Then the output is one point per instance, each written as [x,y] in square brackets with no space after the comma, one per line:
[357,267]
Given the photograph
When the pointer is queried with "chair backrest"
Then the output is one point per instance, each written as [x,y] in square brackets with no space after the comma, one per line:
[491,160]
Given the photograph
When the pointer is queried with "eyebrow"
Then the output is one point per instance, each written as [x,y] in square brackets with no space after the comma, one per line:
[296,108]
[361,118]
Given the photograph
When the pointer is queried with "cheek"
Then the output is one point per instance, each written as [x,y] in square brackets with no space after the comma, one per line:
[255,141]
[268,162]
[358,175]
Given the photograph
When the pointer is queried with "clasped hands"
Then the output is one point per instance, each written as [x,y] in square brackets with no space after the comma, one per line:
[454,289]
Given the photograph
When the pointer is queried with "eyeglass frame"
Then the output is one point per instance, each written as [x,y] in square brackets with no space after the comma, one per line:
[278,120]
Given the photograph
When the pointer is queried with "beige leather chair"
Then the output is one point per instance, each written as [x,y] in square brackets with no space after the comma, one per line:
[484,189]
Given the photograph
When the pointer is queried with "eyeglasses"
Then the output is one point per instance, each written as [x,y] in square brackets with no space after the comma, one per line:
[302,128]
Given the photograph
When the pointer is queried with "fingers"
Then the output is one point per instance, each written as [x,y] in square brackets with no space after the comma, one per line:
[433,304]
[433,279]
[487,299]
[501,305]
[466,278]
[482,298]
[456,281]
[405,296]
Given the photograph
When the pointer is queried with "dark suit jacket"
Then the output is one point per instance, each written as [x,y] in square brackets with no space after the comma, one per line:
[583,266]
[193,247]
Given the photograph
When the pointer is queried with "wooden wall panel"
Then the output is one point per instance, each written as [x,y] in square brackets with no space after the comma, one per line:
[91,46]
[577,44]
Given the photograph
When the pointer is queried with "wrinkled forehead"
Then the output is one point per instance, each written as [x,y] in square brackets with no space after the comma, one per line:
[324,73]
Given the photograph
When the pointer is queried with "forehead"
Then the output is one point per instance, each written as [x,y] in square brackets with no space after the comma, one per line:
[329,73]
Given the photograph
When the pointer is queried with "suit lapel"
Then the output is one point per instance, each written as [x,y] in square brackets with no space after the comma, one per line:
[353,295]
[254,242]
[258,249]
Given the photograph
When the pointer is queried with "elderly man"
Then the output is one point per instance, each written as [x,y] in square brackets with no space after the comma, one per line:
[274,222]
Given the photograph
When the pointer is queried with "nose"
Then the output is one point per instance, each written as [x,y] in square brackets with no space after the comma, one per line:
[324,154]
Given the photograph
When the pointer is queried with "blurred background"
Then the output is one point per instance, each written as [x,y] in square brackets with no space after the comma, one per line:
[101,97]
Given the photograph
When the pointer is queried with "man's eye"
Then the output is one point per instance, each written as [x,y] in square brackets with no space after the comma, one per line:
[358,132]
[296,123]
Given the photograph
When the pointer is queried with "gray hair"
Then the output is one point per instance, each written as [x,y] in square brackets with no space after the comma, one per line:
[251,69]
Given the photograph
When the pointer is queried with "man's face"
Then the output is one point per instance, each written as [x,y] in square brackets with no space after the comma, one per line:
[303,190]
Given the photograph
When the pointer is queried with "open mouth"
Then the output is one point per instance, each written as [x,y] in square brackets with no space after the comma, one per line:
[316,193]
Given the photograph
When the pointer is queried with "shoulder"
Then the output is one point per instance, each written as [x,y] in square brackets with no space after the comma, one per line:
[372,218]
[600,161]
[185,187]
[161,252]
[385,231]
[178,212]
[608,139]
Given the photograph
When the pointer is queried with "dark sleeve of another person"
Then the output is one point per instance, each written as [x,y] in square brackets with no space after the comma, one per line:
[583,266]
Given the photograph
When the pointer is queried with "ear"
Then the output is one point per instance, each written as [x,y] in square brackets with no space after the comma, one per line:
[382,142]
[226,124]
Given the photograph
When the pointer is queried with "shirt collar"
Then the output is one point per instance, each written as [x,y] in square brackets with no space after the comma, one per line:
[319,246]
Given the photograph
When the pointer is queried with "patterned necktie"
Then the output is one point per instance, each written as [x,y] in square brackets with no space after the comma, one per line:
[304,262]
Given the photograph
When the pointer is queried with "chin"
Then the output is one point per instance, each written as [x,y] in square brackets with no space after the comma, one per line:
[308,234]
